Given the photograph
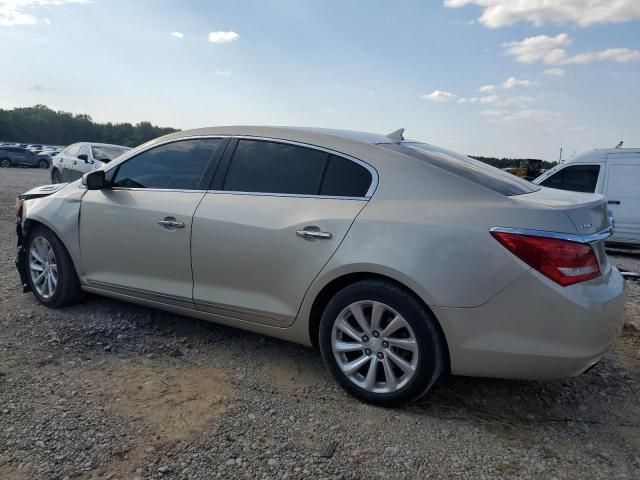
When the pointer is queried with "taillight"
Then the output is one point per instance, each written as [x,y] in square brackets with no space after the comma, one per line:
[563,261]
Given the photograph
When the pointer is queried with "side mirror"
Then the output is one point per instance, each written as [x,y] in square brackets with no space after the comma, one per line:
[94,180]
[83,156]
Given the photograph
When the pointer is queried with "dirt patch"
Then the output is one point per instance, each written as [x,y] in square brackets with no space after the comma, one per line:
[173,402]
[294,375]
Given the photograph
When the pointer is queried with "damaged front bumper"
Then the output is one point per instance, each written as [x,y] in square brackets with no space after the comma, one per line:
[21,258]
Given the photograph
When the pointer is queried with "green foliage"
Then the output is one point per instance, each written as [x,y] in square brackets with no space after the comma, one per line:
[510,162]
[40,124]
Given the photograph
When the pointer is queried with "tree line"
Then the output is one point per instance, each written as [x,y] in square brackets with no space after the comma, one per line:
[41,124]
[510,162]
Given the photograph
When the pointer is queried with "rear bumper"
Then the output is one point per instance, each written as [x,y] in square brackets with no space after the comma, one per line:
[536,329]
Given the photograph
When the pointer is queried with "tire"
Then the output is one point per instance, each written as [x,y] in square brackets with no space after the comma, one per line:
[55,176]
[422,338]
[43,164]
[5,163]
[67,287]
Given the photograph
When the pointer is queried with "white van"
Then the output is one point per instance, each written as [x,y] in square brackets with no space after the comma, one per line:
[613,172]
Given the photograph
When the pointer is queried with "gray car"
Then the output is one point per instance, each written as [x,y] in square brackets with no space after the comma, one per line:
[21,157]
[398,259]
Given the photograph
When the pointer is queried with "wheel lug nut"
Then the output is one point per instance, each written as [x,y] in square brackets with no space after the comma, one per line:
[385,344]
[376,334]
[367,351]
[365,338]
[380,355]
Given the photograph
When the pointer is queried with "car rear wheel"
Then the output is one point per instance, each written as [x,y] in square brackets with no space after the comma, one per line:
[55,176]
[43,164]
[52,276]
[5,163]
[381,344]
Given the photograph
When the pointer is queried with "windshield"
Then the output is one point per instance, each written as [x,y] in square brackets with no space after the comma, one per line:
[106,154]
[466,167]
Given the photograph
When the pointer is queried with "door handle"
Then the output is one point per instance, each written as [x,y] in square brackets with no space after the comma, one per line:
[170,223]
[314,234]
[614,202]
[75,163]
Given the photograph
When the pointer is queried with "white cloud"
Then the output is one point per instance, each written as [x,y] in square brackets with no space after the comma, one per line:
[16,12]
[223,37]
[551,51]
[545,117]
[493,113]
[500,13]
[223,73]
[439,96]
[554,72]
[514,82]
[177,34]
[487,88]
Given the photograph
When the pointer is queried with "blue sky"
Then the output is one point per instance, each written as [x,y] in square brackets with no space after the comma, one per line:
[565,74]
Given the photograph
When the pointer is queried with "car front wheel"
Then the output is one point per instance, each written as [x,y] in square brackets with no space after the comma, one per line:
[5,163]
[52,276]
[381,344]
[43,164]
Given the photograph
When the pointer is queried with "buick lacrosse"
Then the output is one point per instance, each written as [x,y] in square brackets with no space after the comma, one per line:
[400,260]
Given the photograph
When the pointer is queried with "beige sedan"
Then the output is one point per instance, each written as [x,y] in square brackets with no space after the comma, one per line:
[400,260]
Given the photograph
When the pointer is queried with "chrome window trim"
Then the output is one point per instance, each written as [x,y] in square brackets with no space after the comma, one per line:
[292,195]
[136,189]
[372,187]
[570,237]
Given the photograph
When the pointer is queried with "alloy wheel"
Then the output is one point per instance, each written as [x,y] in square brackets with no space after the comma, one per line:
[43,267]
[374,347]
[4,163]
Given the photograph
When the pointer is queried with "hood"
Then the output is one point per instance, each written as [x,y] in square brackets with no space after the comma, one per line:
[42,191]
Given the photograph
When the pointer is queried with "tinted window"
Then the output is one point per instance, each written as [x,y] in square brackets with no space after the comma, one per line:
[465,167]
[270,167]
[578,178]
[178,165]
[344,178]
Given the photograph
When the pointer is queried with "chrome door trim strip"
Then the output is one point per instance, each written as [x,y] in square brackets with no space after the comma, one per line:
[175,300]
[245,314]
[570,237]
[290,195]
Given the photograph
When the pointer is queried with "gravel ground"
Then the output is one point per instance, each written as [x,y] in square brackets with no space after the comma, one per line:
[111,390]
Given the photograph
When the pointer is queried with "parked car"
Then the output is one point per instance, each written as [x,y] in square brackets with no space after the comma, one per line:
[399,259]
[48,156]
[80,158]
[10,156]
[615,173]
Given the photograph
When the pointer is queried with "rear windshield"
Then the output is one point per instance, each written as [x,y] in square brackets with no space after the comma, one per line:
[466,167]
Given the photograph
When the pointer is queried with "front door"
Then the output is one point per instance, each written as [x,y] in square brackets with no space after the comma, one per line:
[623,195]
[272,223]
[135,236]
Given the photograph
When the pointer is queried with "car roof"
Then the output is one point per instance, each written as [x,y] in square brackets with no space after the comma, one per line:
[310,135]
[599,154]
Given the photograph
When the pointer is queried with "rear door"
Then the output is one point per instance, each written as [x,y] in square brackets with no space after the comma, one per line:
[276,214]
[135,236]
[623,195]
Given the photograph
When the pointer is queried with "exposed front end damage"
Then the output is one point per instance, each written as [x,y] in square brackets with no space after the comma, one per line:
[58,208]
